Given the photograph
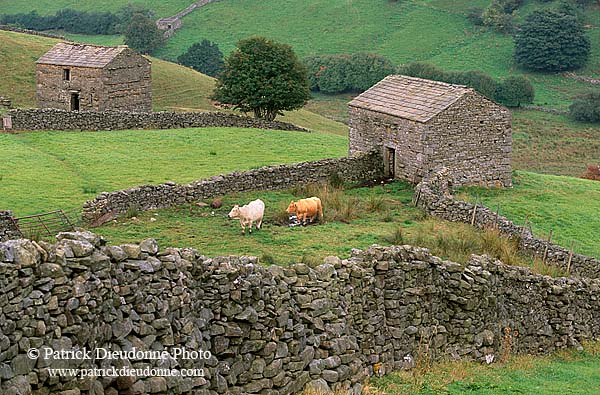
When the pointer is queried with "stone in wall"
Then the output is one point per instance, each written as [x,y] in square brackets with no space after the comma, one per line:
[268,330]
[8,227]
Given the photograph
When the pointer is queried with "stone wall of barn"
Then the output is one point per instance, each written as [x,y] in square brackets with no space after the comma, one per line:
[148,197]
[8,230]
[372,130]
[51,119]
[472,138]
[268,330]
[125,84]
[55,92]
[434,195]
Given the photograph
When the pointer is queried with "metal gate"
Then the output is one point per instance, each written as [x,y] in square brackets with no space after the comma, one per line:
[44,225]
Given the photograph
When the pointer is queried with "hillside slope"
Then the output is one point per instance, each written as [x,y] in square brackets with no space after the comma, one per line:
[174,87]
[160,8]
[436,31]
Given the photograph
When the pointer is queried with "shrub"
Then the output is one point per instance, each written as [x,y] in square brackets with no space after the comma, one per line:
[551,40]
[593,173]
[423,70]
[496,18]
[475,15]
[205,57]
[586,108]
[514,91]
[341,73]
[142,34]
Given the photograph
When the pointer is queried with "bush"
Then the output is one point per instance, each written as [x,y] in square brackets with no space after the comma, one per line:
[205,57]
[551,40]
[423,70]
[496,18]
[586,108]
[78,22]
[142,34]
[514,91]
[475,15]
[341,73]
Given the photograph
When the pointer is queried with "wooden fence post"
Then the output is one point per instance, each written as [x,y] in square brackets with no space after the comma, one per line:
[474,212]
[547,246]
[570,257]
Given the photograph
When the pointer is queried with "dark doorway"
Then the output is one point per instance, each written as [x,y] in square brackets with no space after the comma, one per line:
[74,101]
[389,156]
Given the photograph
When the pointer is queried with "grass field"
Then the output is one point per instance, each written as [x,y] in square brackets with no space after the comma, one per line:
[41,171]
[566,372]
[353,218]
[160,8]
[174,87]
[431,30]
[566,205]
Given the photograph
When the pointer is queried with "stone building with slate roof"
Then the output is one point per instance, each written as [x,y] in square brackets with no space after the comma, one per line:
[90,77]
[420,124]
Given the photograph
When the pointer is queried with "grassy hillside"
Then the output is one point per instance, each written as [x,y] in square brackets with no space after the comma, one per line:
[173,87]
[41,171]
[568,206]
[161,8]
[430,30]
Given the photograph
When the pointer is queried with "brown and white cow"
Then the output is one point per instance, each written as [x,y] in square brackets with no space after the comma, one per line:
[310,207]
[248,214]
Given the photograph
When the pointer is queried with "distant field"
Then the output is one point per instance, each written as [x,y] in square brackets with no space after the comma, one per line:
[42,171]
[568,206]
[160,7]
[431,30]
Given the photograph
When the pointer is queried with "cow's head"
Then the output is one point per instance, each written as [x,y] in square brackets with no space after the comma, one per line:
[291,208]
[235,212]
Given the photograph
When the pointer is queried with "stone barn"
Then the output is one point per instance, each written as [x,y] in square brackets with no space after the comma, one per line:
[418,124]
[90,77]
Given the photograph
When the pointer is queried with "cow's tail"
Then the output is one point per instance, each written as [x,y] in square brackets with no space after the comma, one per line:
[320,207]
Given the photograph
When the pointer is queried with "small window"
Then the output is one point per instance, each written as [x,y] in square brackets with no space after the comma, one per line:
[66,75]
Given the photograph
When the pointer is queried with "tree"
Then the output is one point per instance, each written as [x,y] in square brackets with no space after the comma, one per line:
[264,77]
[586,108]
[205,57]
[514,91]
[551,40]
[497,19]
[142,34]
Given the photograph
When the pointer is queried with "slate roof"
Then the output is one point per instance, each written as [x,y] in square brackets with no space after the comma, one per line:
[411,98]
[82,55]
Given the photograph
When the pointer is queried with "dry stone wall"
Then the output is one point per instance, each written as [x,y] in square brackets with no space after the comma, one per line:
[268,330]
[149,197]
[31,32]
[54,119]
[8,229]
[434,194]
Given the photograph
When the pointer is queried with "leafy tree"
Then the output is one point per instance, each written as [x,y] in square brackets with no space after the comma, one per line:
[586,108]
[205,57]
[551,40]
[514,91]
[496,18]
[264,77]
[142,34]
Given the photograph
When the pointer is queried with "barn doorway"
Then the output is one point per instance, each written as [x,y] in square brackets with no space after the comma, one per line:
[75,101]
[389,157]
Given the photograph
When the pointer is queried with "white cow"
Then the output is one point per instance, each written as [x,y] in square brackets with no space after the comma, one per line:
[253,211]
